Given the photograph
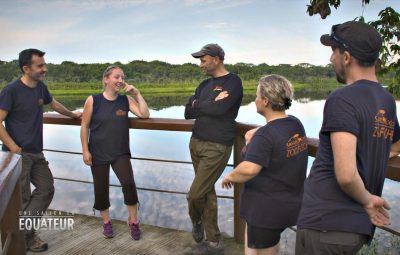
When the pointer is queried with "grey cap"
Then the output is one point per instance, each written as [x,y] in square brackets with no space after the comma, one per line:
[211,49]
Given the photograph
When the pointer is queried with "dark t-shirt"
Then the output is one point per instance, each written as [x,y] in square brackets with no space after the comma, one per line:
[109,129]
[272,199]
[368,111]
[24,121]
[215,120]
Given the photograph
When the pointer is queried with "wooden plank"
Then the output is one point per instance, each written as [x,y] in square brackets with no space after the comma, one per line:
[87,238]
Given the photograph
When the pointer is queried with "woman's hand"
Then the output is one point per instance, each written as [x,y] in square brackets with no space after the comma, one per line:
[87,158]
[227,183]
[130,89]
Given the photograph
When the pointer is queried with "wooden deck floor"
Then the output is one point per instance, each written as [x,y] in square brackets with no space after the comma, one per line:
[86,238]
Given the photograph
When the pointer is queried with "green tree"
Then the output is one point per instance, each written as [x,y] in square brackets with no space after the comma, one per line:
[388,25]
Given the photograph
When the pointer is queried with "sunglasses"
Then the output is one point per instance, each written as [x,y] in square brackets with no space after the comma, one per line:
[337,39]
[108,69]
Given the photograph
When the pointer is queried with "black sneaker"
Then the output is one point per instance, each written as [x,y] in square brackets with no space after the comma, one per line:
[198,232]
[34,243]
[205,248]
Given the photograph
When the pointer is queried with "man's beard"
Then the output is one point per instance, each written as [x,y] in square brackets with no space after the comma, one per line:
[340,79]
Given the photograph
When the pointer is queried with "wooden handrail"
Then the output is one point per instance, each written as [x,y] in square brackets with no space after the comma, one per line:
[12,238]
[167,124]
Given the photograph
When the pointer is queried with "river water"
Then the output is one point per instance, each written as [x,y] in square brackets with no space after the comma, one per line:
[161,209]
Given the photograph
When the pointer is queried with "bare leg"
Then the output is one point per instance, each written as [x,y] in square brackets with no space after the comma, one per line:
[132,209]
[105,215]
[274,250]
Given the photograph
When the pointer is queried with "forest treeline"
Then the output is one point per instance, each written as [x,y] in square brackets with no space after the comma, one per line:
[158,73]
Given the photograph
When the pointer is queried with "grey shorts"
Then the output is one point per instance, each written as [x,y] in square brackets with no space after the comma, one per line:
[309,242]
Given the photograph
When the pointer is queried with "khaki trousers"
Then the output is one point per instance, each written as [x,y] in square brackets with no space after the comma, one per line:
[209,161]
[35,170]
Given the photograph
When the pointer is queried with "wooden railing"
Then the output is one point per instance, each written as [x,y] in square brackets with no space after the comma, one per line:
[165,124]
[12,239]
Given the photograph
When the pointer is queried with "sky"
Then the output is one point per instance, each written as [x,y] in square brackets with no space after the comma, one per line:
[106,31]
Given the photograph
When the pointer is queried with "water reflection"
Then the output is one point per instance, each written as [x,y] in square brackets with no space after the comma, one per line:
[160,102]
[166,210]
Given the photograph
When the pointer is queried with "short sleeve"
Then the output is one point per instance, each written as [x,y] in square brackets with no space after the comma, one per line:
[6,99]
[339,116]
[259,150]
[47,97]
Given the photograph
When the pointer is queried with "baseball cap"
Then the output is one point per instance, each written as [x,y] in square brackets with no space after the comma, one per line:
[211,49]
[360,39]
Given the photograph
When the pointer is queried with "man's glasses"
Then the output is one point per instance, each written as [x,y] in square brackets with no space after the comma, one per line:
[337,39]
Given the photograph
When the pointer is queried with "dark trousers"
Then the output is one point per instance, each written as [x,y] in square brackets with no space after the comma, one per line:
[35,170]
[122,168]
[314,242]
[209,161]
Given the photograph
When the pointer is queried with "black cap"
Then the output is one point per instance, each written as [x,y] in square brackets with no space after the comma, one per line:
[211,49]
[360,39]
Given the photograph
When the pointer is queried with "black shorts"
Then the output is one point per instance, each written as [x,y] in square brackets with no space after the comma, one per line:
[261,238]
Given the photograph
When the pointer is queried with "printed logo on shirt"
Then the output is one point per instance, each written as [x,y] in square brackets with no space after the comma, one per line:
[295,145]
[120,112]
[383,128]
[40,101]
[218,88]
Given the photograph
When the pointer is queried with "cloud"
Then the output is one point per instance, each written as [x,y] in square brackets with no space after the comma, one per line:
[214,5]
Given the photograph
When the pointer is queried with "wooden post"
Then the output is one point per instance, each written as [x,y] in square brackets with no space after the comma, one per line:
[239,224]
[12,239]
[10,225]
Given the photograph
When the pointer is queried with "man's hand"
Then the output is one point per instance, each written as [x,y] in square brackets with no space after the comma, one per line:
[222,95]
[76,115]
[15,149]
[377,211]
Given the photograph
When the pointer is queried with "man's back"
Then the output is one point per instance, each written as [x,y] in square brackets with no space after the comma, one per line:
[367,111]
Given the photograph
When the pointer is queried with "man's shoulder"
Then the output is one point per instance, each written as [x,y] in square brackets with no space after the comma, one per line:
[14,84]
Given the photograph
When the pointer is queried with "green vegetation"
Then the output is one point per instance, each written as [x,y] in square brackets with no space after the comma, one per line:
[387,24]
[156,77]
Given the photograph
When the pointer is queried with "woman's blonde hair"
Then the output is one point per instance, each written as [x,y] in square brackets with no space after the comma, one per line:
[278,90]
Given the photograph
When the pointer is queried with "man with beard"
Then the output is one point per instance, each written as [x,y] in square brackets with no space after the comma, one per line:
[342,200]
[214,105]
[21,108]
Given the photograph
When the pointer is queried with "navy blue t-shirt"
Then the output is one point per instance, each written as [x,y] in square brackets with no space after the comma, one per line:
[368,111]
[272,199]
[109,129]
[24,121]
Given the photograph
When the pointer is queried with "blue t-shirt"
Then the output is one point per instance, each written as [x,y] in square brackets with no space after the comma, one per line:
[24,121]
[368,111]
[109,129]
[272,199]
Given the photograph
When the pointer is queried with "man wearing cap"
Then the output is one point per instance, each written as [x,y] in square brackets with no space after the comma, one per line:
[214,106]
[341,202]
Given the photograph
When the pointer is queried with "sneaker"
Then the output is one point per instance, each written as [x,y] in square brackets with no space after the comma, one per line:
[198,232]
[135,230]
[205,248]
[34,243]
[107,230]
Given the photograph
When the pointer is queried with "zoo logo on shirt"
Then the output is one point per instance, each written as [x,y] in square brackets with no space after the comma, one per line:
[295,145]
[120,112]
[383,128]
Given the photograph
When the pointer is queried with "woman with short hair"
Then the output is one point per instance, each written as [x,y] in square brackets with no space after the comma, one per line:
[273,169]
